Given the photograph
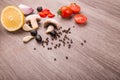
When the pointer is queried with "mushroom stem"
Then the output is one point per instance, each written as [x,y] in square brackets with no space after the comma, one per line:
[26,27]
[50,29]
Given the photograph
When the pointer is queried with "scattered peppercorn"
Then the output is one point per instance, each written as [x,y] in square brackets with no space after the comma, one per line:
[82,44]
[43,44]
[69,46]
[69,32]
[54,59]
[52,39]
[47,38]
[52,43]
[67,42]
[63,40]
[48,48]
[66,31]
[65,36]
[34,48]
[58,36]
[84,41]
[55,47]
[59,45]
[66,57]
[69,29]
[60,40]
[71,41]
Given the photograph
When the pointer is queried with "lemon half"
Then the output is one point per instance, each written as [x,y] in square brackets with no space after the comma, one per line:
[12,18]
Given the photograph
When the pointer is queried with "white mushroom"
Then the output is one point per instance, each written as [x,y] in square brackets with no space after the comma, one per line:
[27,39]
[51,24]
[33,20]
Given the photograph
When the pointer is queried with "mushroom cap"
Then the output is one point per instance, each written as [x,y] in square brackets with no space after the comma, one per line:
[51,22]
[32,17]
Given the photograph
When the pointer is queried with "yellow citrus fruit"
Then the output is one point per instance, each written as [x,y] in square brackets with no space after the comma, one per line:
[12,18]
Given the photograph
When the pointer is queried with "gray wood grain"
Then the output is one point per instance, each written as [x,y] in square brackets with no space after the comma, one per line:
[98,59]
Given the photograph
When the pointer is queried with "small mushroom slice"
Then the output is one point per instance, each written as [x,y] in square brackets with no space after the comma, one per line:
[33,19]
[50,25]
[27,39]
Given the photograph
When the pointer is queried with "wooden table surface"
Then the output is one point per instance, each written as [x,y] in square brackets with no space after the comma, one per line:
[97,59]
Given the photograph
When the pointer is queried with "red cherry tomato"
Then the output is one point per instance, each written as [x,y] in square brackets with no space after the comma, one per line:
[50,15]
[75,8]
[80,18]
[65,12]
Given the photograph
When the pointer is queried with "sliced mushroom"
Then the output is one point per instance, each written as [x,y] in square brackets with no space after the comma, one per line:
[26,27]
[27,39]
[33,19]
[50,25]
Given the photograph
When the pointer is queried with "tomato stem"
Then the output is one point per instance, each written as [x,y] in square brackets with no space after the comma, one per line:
[59,12]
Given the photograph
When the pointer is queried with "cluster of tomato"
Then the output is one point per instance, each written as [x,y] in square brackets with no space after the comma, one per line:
[73,8]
